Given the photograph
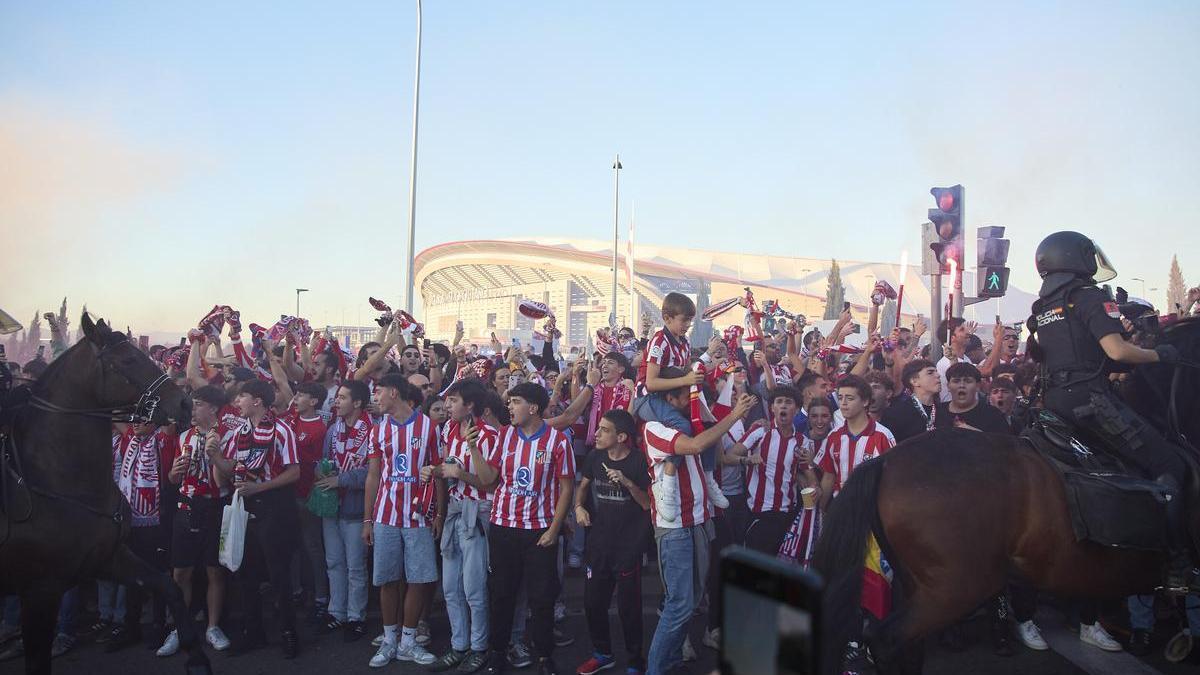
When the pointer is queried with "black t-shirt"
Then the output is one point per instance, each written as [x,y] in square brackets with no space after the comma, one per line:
[620,526]
[904,419]
[983,417]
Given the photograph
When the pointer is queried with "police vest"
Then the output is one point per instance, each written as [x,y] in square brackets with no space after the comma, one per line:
[1066,343]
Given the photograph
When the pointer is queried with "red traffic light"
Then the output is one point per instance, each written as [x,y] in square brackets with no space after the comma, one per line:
[946,201]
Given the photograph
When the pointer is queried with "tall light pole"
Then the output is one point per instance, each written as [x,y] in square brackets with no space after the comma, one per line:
[298,292]
[612,315]
[412,179]
[1143,285]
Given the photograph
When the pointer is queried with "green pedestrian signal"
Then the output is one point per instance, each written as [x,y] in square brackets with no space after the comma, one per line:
[994,282]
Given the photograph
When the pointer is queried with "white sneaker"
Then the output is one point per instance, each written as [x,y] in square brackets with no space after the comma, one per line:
[689,652]
[714,492]
[385,655]
[216,638]
[422,633]
[712,638]
[1096,636]
[666,496]
[1031,636]
[170,646]
[417,654]
[378,640]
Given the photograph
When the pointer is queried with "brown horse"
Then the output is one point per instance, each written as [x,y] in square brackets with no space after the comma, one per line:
[962,513]
[62,520]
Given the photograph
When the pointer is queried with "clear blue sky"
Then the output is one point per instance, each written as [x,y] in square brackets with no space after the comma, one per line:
[161,157]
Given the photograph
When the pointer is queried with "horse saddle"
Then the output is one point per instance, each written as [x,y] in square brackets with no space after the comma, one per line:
[1108,505]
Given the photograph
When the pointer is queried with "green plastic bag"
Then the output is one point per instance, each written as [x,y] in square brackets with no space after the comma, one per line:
[323,503]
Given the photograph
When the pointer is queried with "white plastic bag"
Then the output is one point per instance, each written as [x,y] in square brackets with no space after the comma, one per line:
[233,533]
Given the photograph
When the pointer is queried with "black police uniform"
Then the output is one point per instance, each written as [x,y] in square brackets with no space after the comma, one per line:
[1069,324]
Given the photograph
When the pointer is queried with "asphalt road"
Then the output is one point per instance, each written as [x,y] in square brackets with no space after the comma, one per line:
[329,654]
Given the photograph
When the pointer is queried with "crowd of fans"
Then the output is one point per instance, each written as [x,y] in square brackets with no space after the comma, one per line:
[483,470]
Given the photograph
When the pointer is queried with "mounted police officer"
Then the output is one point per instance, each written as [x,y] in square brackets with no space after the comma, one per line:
[1079,337]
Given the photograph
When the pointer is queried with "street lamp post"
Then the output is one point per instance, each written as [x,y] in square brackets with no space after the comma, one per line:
[412,179]
[612,315]
[1143,285]
[298,292]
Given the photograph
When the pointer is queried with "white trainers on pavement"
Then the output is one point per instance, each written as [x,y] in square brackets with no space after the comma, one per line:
[1031,636]
[1096,636]
[416,654]
[170,646]
[217,638]
[385,655]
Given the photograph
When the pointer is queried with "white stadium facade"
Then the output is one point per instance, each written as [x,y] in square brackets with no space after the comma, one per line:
[481,282]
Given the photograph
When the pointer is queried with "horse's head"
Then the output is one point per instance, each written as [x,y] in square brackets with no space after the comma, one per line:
[125,377]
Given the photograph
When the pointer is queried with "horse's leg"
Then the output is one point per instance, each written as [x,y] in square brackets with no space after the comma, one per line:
[39,612]
[131,570]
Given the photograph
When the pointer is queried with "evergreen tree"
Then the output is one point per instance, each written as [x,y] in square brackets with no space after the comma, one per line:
[835,292]
[1176,288]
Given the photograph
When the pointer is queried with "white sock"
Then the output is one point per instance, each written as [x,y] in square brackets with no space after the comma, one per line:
[389,634]
[408,637]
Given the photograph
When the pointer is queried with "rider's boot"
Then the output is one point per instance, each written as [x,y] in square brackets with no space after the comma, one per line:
[1180,575]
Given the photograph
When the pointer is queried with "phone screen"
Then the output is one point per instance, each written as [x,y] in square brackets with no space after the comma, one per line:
[769,620]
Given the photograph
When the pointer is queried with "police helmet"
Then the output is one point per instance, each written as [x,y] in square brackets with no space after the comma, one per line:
[1075,254]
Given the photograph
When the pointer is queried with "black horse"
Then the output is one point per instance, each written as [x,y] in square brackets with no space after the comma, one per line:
[62,519]
[960,513]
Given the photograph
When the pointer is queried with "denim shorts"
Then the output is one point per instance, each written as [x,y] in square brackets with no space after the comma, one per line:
[404,549]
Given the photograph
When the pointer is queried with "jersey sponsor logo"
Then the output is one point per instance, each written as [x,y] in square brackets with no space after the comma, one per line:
[523,482]
[1050,316]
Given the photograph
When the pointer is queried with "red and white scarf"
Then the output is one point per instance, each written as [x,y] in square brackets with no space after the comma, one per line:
[349,447]
[619,396]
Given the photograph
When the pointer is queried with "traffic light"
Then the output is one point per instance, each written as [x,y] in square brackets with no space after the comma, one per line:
[947,221]
[992,257]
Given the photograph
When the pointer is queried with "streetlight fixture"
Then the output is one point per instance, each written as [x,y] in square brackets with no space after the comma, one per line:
[1143,285]
[612,315]
[412,179]
[298,292]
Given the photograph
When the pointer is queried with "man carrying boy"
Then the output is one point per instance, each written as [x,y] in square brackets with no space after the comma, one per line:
[683,543]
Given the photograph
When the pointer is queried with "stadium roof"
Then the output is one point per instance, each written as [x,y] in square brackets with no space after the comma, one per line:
[533,260]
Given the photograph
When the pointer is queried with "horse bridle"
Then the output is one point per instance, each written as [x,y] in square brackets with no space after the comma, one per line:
[143,410]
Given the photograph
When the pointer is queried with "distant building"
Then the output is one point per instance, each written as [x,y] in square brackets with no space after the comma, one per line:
[481,283]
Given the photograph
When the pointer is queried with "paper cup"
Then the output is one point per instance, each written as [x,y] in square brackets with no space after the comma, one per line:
[809,497]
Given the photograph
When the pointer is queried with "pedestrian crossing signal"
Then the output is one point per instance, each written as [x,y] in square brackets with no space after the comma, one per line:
[993,282]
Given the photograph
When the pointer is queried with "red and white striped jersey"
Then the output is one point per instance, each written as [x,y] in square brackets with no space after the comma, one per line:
[801,538]
[200,479]
[402,448]
[266,449]
[529,471]
[666,350]
[693,491]
[454,447]
[842,451]
[348,445]
[771,486]
[228,422]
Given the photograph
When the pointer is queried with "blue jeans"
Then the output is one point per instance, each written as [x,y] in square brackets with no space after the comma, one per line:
[346,567]
[464,580]
[111,601]
[1141,612]
[67,609]
[678,558]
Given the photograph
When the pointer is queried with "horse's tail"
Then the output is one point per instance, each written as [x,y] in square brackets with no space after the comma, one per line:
[839,558]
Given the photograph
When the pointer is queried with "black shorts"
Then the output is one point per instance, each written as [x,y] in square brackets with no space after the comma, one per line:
[196,534]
